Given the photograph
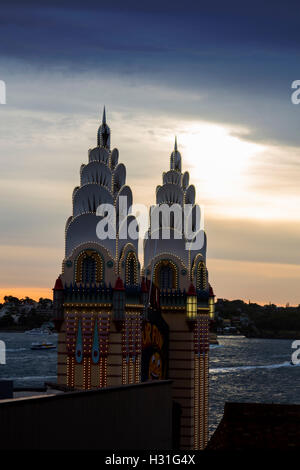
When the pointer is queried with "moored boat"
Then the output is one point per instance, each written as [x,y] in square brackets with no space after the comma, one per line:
[42,346]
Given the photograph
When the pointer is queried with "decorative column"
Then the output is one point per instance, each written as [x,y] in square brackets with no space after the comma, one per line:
[199,324]
[115,360]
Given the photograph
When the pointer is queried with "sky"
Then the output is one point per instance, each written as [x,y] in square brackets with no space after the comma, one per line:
[216,74]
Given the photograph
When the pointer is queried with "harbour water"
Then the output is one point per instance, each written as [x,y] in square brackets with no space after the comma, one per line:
[241,369]
[251,370]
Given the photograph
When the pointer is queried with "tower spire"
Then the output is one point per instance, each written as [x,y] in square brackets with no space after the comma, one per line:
[175,160]
[103,136]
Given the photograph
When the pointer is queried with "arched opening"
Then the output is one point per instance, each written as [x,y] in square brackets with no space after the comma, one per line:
[166,277]
[131,269]
[89,267]
[201,278]
[89,270]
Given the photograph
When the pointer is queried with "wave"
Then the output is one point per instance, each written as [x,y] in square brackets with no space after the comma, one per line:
[215,346]
[224,370]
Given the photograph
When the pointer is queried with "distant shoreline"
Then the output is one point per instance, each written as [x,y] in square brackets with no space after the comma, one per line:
[283,335]
[13,330]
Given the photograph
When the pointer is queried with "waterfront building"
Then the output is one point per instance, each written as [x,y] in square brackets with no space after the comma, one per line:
[119,323]
[179,271]
[98,301]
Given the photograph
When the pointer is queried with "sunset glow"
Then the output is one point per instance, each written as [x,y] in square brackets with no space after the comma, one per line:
[237,131]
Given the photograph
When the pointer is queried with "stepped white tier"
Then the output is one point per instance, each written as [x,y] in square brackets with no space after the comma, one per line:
[102,181]
[120,326]
[188,262]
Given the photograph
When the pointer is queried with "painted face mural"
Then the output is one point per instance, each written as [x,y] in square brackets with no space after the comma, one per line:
[155,367]
[154,349]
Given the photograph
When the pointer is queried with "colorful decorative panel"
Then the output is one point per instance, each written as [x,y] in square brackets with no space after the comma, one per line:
[155,349]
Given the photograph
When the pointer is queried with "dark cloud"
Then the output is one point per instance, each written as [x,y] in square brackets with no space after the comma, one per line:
[226,62]
[240,57]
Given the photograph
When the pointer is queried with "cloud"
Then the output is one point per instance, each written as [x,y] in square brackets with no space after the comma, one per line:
[253,241]
[161,71]
[258,282]
[240,62]
[31,266]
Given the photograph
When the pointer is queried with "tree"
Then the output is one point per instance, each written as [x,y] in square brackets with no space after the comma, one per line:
[11,299]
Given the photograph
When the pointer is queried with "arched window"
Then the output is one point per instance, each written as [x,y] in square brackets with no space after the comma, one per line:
[88,270]
[89,267]
[131,266]
[201,280]
[131,269]
[166,277]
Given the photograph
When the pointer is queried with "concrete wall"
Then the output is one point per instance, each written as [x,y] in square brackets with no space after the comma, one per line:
[128,417]
[6,389]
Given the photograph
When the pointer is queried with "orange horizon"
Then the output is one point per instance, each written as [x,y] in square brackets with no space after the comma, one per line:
[36,293]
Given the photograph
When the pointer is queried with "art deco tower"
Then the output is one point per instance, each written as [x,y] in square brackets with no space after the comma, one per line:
[98,301]
[116,327]
[179,271]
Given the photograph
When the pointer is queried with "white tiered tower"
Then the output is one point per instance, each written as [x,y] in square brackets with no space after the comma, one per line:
[186,301]
[97,299]
[104,310]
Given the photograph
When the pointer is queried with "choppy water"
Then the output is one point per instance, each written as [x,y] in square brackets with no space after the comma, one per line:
[241,369]
[24,366]
[251,370]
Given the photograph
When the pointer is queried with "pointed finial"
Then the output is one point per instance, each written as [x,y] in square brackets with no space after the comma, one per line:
[175,159]
[103,135]
[104,116]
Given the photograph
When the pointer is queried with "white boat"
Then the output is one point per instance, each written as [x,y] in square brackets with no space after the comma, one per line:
[42,346]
